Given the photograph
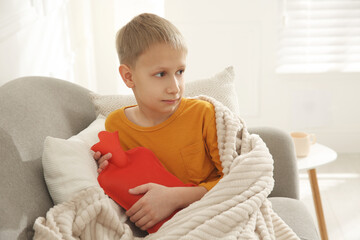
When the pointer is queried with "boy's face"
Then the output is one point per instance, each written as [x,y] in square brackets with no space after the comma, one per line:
[157,79]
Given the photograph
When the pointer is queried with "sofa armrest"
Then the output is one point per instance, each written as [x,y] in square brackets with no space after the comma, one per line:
[297,216]
[285,166]
[31,109]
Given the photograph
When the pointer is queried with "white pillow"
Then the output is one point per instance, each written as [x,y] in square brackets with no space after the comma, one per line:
[221,87]
[105,104]
[69,165]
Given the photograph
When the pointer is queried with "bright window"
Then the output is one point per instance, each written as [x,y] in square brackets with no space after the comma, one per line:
[318,36]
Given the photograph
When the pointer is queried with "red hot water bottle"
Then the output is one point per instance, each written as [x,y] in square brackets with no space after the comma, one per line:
[129,169]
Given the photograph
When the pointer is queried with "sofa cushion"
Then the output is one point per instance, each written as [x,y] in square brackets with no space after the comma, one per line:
[220,86]
[296,215]
[69,165]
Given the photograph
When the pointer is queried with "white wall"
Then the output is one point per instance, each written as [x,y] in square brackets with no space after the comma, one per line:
[244,34]
[69,39]
[34,40]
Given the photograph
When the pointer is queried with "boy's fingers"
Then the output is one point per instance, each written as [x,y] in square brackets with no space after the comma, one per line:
[148,225]
[140,189]
[143,222]
[133,210]
[104,158]
[102,161]
[135,213]
[103,164]
[97,155]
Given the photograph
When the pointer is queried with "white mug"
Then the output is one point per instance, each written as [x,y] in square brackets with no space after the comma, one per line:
[302,142]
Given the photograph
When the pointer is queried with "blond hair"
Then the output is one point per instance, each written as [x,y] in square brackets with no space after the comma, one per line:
[143,31]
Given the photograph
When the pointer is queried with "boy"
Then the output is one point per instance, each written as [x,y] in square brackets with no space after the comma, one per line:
[181,132]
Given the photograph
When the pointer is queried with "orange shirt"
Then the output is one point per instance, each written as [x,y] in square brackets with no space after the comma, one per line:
[186,143]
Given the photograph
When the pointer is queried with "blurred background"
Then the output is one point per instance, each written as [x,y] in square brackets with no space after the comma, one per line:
[297,64]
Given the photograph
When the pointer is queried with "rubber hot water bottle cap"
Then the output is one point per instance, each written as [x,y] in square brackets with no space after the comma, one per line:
[129,169]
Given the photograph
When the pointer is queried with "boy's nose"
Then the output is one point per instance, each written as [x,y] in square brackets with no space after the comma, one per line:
[174,86]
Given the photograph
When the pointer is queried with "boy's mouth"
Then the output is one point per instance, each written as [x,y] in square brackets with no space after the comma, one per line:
[171,101]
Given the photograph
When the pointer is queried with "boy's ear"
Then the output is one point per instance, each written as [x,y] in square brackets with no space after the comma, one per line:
[126,75]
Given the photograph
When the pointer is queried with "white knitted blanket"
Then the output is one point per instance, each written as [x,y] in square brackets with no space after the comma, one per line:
[236,208]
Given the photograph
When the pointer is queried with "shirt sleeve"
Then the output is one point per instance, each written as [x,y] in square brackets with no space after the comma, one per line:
[210,137]
[210,184]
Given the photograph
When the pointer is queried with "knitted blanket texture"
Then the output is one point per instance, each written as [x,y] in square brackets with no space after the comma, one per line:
[236,208]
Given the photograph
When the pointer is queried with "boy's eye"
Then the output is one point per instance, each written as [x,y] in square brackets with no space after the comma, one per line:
[161,74]
[180,72]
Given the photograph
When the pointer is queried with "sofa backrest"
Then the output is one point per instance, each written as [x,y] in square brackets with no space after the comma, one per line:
[32,108]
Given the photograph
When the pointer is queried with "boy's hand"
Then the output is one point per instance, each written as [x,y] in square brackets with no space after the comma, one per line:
[158,203]
[102,160]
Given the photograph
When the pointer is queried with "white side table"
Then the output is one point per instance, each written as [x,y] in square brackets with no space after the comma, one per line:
[319,155]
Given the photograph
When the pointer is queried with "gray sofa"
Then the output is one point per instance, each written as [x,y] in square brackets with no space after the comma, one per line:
[35,107]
